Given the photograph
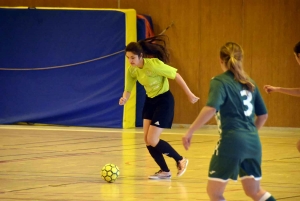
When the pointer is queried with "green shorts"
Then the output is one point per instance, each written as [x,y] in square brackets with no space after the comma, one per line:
[223,168]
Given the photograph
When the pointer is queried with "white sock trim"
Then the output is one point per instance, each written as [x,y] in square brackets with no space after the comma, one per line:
[265,196]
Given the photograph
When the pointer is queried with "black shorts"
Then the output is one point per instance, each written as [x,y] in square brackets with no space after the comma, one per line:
[160,110]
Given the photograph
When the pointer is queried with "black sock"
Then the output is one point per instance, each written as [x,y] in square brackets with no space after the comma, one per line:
[159,158]
[165,148]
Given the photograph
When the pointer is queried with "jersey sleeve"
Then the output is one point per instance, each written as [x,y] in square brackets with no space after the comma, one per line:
[162,69]
[259,104]
[130,80]
[216,96]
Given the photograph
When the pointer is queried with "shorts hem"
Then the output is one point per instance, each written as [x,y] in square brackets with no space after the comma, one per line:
[220,180]
[159,126]
[250,177]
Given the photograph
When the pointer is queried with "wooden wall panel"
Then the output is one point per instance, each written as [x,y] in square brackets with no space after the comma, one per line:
[267,30]
[271,31]
[220,22]
[62,3]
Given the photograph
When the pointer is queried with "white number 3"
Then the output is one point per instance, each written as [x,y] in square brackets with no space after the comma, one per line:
[247,102]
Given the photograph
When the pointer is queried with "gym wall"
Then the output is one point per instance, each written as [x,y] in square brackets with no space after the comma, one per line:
[267,31]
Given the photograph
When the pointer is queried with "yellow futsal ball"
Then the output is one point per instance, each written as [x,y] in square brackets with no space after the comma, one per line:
[110,172]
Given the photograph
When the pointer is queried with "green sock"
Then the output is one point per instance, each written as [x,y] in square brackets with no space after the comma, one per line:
[267,197]
[271,198]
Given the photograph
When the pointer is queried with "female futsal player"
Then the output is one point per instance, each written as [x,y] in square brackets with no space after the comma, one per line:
[235,101]
[148,60]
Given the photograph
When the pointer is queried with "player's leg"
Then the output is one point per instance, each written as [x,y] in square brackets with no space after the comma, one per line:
[250,174]
[164,171]
[252,189]
[163,118]
[146,125]
[153,138]
[148,112]
[215,190]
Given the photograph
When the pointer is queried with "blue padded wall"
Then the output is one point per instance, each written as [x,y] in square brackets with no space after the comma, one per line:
[87,94]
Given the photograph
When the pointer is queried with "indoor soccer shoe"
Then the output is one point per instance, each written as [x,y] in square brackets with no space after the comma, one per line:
[161,175]
[181,166]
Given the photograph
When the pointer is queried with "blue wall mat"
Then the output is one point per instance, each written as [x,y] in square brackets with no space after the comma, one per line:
[81,95]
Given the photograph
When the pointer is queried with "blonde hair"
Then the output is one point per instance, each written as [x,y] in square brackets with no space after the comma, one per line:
[232,54]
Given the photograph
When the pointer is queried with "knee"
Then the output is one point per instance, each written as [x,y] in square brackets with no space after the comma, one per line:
[254,194]
[151,141]
[214,195]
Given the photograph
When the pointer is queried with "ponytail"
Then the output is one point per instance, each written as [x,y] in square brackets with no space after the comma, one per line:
[232,55]
[153,47]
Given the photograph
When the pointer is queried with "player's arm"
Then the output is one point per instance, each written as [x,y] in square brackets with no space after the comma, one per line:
[288,91]
[260,120]
[124,98]
[130,82]
[180,81]
[204,116]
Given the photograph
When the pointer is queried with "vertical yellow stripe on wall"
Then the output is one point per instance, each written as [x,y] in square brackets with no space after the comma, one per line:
[129,116]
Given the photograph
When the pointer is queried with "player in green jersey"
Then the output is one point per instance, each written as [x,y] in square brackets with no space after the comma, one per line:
[288,91]
[147,60]
[240,111]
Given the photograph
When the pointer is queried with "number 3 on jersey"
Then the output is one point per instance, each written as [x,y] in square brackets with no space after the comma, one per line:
[247,102]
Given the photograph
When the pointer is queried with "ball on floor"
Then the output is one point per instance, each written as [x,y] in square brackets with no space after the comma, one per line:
[110,172]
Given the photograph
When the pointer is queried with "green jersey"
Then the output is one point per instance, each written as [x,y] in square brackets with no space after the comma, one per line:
[236,109]
[153,76]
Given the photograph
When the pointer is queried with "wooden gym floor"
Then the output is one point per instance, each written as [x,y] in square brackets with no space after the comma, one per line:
[55,163]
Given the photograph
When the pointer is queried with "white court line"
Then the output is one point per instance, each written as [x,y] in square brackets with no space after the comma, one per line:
[272,132]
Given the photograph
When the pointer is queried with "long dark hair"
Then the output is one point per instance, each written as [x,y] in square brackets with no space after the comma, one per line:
[150,47]
[232,54]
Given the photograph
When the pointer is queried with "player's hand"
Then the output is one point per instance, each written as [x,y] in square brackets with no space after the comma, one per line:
[122,101]
[186,140]
[193,99]
[269,88]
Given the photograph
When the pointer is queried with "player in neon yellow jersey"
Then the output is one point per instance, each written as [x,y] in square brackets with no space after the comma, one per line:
[148,60]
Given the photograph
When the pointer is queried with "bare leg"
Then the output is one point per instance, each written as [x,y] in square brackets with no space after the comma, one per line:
[153,139]
[252,188]
[153,135]
[156,155]
[215,190]
[146,125]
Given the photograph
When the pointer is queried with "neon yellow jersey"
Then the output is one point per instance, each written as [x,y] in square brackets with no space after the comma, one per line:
[153,76]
